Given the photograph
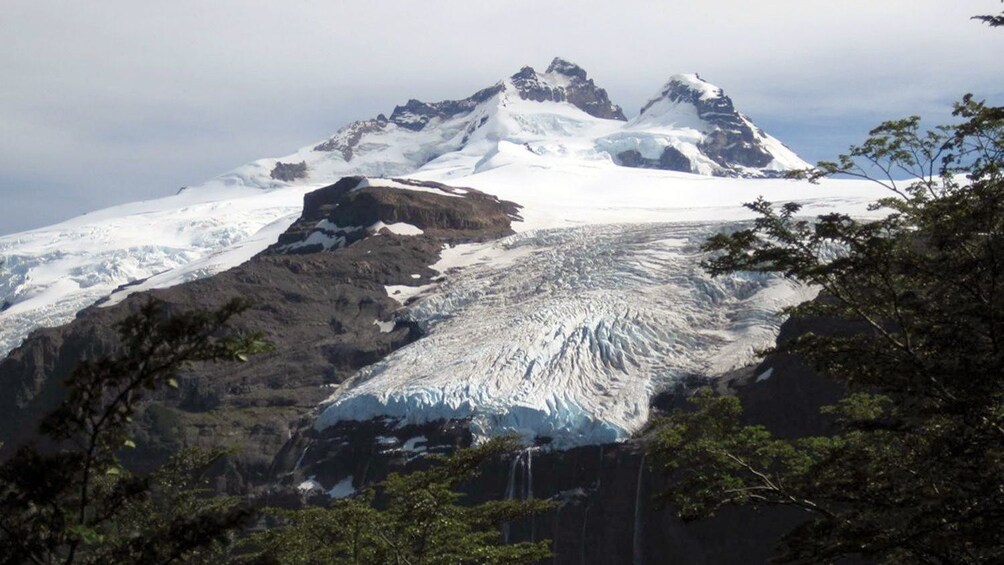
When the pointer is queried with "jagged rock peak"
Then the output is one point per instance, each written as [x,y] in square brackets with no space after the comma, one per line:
[693,89]
[567,68]
[565,81]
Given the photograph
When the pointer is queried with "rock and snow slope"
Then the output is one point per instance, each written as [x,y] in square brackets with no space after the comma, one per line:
[562,330]
[559,120]
[688,126]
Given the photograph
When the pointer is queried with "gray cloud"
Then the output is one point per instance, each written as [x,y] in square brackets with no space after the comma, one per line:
[106,102]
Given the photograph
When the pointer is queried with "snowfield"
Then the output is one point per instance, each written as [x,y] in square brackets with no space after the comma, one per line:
[50,274]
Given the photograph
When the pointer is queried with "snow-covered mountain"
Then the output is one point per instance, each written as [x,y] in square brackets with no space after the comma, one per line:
[689,126]
[565,329]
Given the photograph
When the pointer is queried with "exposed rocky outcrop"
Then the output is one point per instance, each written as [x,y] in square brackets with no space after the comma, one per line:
[289,172]
[416,114]
[670,160]
[348,137]
[328,314]
[345,211]
[577,89]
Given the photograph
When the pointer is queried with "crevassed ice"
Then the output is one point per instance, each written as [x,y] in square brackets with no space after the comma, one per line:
[567,333]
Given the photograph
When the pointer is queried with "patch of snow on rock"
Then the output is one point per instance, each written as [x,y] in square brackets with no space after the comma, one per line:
[343,489]
[765,375]
[309,485]
[399,228]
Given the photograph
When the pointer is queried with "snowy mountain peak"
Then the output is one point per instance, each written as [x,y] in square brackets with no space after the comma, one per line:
[689,89]
[695,112]
[565,67]
[690,126]
[565,81]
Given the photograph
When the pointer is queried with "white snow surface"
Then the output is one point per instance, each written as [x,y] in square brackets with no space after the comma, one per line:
[50,274]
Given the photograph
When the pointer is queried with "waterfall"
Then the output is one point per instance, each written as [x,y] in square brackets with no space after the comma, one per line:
[636,541]
[510,489]
[599,472]
[366,472]
[524,463]
[528,491]
[510,492]
[582,538]
[529,473]
[302,455]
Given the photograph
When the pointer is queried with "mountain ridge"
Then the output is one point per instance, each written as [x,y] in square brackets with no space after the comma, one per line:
[561,111]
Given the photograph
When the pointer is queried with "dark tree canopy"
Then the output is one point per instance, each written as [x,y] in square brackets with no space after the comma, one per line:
[915,472]
[72,502]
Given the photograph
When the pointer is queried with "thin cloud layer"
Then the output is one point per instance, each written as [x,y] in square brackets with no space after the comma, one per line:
[117,101]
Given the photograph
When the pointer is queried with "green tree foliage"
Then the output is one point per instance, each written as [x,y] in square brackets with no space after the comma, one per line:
[411,519]
[70,501]
[915,473]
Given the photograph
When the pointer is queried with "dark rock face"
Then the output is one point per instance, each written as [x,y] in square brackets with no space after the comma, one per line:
[415,115]
[319,309]
[581,91]
[670,160]
[348,137]
[342,210]
[289,172]
[606,509]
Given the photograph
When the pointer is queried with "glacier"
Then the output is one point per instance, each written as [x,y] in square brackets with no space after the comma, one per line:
[567,333]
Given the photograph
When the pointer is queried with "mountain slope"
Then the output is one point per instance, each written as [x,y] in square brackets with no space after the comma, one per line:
[558,118]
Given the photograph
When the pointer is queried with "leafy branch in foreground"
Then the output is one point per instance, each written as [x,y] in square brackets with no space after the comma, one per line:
[408,519]
[992,21]
[72,502]
[915,472]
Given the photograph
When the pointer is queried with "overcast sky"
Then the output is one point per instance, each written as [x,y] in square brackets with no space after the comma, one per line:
[103,102]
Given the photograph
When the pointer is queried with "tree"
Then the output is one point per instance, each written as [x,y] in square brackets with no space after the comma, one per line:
[417,518]
[993,21]
[915,471]
[70,501]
